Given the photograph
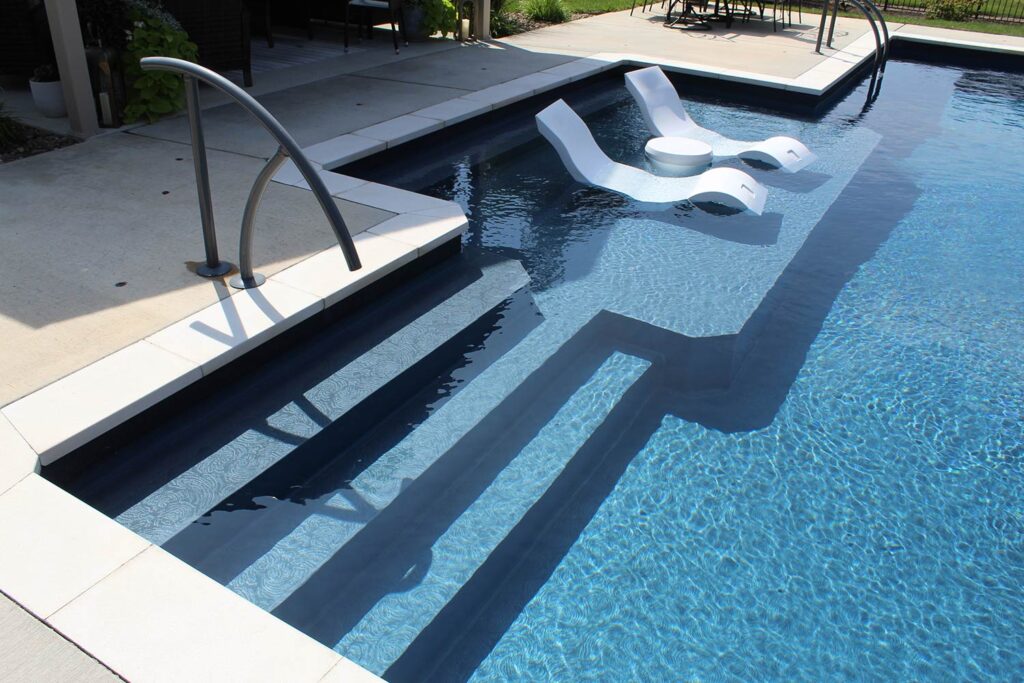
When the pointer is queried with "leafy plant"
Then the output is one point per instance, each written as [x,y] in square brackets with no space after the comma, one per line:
[504,24]
[438,16]
[153,94]
[952,10]
[549,11]
[47,73]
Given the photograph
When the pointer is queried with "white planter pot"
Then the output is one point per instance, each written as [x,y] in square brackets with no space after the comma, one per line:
[48,98]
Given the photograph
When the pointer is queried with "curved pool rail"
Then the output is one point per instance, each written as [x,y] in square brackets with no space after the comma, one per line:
[287,148]
[879,28]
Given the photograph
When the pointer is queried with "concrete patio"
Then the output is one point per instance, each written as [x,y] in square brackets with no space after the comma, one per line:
[99,239]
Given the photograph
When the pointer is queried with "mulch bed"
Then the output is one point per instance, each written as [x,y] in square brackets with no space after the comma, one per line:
[33,141]
[518,22]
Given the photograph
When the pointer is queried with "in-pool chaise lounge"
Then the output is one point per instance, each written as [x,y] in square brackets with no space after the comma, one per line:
[588,164]
[666,117]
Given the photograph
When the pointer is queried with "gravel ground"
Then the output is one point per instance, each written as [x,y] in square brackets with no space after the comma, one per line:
[33,141]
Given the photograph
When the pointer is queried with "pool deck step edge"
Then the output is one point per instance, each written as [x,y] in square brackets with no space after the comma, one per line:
[76,409]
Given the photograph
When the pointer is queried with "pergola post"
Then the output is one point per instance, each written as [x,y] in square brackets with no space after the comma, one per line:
[62,16]
[482,19]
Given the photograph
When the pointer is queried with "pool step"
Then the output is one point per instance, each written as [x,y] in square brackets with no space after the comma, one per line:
[400,569]
[251,522]
[341,499]
[483,427]
[473,620]
[410,324]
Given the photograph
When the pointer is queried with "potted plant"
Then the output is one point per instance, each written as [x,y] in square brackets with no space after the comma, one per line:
[424,18]
[47,92]
[152,94]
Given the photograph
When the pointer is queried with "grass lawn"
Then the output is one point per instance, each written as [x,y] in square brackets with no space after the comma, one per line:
[980,26]
[602,6]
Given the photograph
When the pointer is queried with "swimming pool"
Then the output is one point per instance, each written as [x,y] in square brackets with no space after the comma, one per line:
[614,444]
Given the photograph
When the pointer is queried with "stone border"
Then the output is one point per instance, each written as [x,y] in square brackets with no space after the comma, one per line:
[136,608]
[907,32]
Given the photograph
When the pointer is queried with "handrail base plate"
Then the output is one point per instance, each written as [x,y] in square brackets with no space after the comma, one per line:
[222,268]
[247,283]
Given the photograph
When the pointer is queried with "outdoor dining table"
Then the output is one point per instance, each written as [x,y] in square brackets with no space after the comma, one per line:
[691,17]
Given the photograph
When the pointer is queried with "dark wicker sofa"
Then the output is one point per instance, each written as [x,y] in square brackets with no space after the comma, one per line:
[24,37]
[220,28]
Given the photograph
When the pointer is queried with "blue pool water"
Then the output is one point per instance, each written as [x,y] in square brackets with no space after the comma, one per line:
[608,444]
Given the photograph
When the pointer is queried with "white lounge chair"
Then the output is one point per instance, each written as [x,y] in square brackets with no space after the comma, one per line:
[582,156]
[666,117]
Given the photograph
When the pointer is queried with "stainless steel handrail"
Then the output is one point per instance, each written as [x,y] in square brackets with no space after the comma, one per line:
[882,39]
[885,28]
[287,148]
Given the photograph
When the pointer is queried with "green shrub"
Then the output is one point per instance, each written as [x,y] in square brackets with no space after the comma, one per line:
[504,24]
[152,94]
[438,16]
[952,10]
[550,11]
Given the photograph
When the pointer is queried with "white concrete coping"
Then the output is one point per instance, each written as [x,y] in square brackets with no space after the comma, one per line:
[338,150]
[401,129]
[64,415]
[164,621]
[224,331]
[325,275]
[907,32]
[17,459]
[55,546]
[453,111]
[139,610]
[815,81]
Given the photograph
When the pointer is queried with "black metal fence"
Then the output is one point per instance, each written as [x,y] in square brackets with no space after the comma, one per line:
[1002,11]
[1008,11]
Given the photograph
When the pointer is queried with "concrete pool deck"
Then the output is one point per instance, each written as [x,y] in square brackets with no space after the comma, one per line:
[80,221]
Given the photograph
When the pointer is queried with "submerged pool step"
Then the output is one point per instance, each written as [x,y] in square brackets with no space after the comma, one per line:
[308,540]
[464,631]
[341,499]
[373,597]
[250,523]
[510,398]
[230,466]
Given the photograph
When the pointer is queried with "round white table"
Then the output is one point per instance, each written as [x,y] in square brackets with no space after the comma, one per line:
[679,154]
